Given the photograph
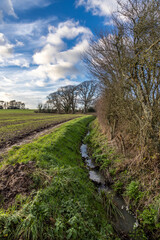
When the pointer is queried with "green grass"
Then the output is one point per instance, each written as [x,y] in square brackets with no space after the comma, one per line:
[101,152]
[15,124]
[68,207]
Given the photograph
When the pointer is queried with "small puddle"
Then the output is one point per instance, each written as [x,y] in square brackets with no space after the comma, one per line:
[125,221]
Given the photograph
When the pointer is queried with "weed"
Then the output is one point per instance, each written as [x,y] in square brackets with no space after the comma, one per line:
[118,187]
[112,172]
[151,216]
[133,192]
[109,205]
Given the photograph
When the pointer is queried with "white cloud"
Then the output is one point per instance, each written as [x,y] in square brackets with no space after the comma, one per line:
[54,72]
[69,30]
[6,49]
[13,86]
[29,34]
[19,43]
[23,29]
[58,60]
[7,55]
[27,4]
[98,7]
[6,7]
[17,60]
[46,56]
[103,8]
[55,60]
[19,86]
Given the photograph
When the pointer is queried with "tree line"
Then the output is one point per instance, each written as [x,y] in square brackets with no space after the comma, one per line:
[126,63]
[69,99]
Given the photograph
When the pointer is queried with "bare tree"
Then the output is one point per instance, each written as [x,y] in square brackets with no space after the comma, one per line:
[127,63]
[87,93]
[55,101]
[68,96]
[64,99]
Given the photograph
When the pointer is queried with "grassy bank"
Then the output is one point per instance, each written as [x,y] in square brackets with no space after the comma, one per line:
[129,181]
[62,202]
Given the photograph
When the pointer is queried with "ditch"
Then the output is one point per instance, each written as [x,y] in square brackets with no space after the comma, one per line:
[124,221]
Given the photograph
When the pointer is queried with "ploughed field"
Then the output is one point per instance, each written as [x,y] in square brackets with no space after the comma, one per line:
[17,124]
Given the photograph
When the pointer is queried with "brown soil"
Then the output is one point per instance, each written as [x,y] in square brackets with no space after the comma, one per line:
[22,135]
[29,137]
[15,180]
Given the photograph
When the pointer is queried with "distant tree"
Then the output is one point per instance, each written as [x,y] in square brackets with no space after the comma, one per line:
[87,92]
[40,107]
[68,98]
[64,99]
[54,101]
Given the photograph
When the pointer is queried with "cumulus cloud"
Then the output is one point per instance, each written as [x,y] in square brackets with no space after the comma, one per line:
[55,60]
[55,72]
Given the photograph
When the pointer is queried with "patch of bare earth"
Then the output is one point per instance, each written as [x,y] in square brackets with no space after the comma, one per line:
[15,180]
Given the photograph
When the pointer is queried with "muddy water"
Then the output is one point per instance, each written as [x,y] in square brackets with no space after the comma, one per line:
[125,221]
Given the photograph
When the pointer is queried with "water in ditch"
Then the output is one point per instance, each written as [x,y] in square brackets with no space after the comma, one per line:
[125,221]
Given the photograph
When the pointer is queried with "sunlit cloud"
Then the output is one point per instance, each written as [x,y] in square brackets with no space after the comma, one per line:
[55,60]
[98,7]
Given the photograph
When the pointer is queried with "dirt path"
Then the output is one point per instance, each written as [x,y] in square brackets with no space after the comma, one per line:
[30,138]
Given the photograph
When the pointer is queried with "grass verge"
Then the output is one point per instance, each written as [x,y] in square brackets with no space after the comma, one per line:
[129,182]
[65,206]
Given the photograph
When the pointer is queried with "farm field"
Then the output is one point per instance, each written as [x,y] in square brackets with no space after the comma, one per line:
[17,124]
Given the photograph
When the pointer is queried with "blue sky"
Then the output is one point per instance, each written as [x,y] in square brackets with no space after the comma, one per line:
[42,43]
